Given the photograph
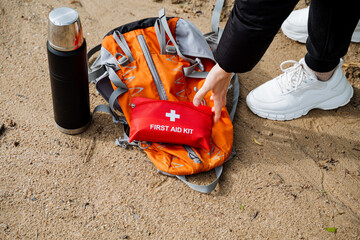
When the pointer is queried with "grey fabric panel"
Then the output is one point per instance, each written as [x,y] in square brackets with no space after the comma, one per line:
[191,41]
[97,68]
[106,59]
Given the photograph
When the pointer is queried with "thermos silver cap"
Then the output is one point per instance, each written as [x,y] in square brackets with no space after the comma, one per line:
[65,31]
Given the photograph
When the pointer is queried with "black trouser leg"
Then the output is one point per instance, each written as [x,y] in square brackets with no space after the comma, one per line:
[331,24]
[249,31]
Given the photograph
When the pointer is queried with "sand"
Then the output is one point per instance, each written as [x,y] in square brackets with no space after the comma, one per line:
[302,179]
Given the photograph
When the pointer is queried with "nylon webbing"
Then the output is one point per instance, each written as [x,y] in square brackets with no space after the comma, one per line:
[204,188]
[236,96]
[216,16]
[123,45]
[114,95]
[107,109]
[160,34]
[115,78]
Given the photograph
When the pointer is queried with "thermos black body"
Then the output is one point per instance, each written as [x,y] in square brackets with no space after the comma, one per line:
[70,88]
[67,57]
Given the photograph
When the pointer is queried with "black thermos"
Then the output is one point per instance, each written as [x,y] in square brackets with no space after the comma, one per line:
[67,57]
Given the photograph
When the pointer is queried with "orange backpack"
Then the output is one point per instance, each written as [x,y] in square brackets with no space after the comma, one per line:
[164,59]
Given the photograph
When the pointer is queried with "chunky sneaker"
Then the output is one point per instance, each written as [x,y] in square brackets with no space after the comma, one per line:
[295,92]
[295,26]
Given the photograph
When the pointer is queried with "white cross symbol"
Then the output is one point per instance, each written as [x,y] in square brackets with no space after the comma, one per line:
[172,115]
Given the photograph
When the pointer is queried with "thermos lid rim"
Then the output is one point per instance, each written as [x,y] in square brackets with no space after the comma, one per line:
[63,16]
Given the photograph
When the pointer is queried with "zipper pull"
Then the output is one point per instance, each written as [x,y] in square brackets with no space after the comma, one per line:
[132,105]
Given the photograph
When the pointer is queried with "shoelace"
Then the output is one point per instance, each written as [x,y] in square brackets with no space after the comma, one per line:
[293,76]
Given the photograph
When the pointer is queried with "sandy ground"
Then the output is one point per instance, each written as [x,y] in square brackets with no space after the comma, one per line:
[305,176]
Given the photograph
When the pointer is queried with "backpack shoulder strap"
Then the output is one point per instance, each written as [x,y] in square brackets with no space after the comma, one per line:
[216,16]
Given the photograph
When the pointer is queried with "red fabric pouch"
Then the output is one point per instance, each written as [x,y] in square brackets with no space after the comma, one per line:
[170,122]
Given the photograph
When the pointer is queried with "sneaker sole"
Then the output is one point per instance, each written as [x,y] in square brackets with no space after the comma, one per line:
[332,103]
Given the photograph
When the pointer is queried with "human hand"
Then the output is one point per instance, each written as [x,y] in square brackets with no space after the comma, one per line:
[217,81]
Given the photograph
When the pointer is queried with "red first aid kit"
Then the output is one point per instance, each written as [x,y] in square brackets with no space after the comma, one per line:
[170,122]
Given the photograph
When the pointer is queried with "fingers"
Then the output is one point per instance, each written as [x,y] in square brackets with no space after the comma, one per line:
[218,105]
[216,81]
[199,96]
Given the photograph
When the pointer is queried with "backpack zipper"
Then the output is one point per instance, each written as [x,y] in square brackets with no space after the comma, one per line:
[192,154]
[153,70]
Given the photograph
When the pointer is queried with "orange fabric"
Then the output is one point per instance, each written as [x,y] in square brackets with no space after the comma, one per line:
[168,158]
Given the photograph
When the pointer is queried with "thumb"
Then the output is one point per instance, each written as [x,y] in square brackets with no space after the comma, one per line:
[199,96]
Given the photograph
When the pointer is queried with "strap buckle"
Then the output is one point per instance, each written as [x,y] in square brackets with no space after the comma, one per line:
[171,50]
[123,60]
[200,65]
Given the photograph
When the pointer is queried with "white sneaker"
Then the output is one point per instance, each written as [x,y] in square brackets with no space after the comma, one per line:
[295,92]
[295,26]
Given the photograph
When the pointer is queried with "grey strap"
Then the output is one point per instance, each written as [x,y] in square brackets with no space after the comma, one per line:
[160,34]
[235,97]
[123,45]
[107,109]
[121,87]
[203,188]
[115,78]
[213,38]
[114,95]
[216,16]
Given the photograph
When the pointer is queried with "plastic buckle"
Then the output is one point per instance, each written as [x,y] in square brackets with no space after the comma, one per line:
[123,61]
[170,50]
[121,142]
[200,65]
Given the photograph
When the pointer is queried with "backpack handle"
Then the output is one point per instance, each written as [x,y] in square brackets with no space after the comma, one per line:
[201,188]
